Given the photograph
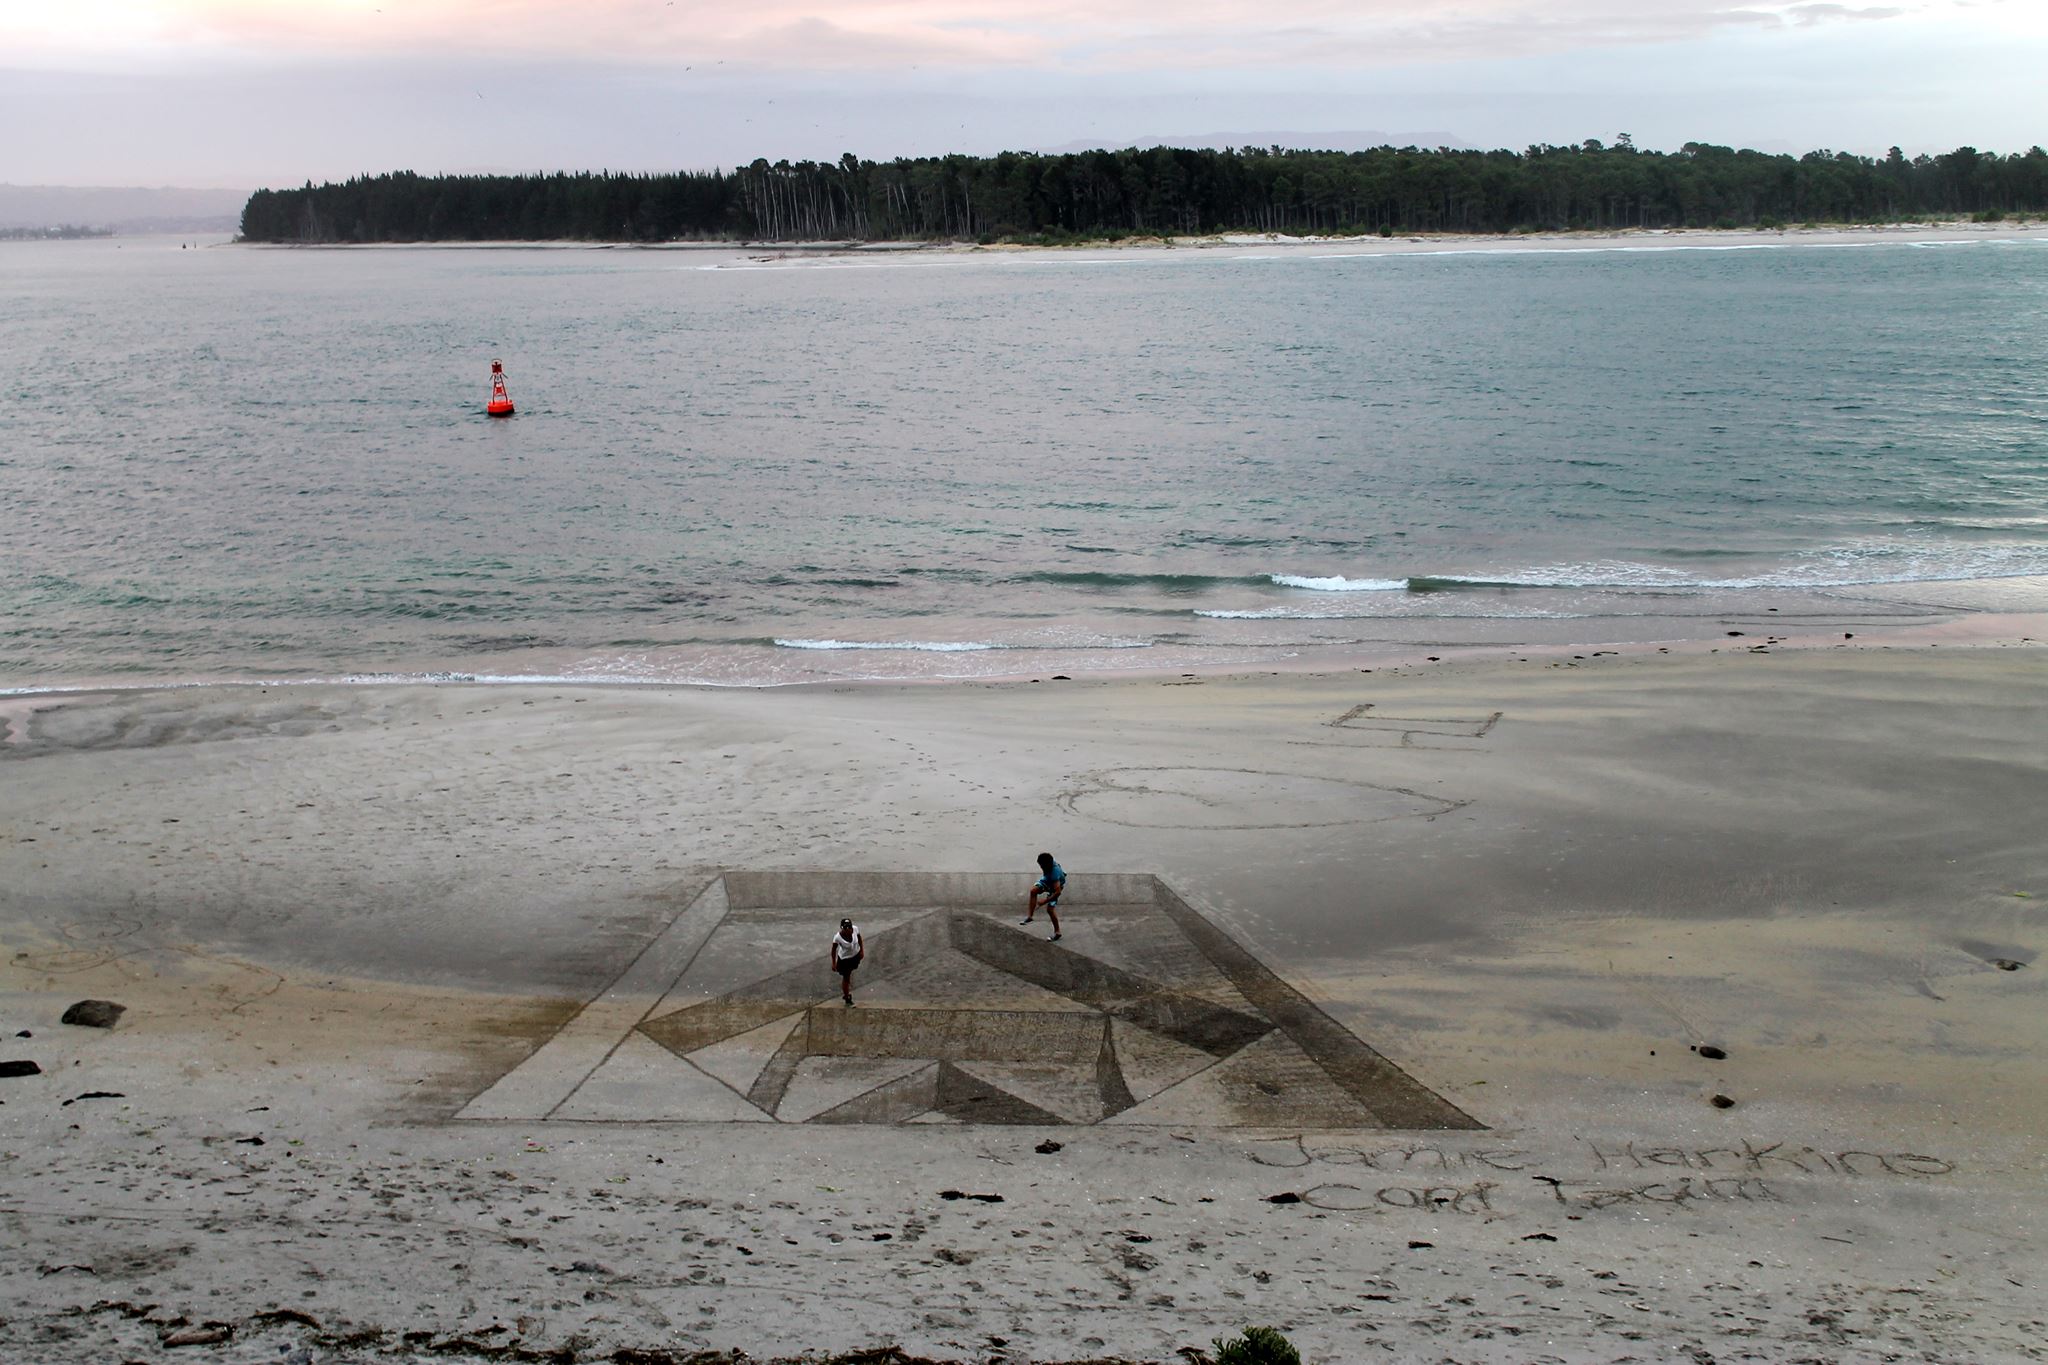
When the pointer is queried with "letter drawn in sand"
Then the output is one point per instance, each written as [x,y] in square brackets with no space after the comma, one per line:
[1379,730]
[1476,1198]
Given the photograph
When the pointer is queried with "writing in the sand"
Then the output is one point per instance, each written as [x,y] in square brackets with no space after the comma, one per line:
[1459,1180]
[1778,1158]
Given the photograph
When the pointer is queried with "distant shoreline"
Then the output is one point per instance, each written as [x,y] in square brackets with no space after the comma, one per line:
[1830,234]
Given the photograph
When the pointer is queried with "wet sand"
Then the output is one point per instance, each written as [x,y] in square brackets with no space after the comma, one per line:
[1547,890]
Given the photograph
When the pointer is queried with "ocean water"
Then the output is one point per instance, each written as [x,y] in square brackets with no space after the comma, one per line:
[735,468]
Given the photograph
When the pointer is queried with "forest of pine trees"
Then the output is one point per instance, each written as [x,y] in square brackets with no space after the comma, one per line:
[1168,191]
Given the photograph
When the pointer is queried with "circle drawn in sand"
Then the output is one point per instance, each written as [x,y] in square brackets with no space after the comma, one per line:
[1240,798]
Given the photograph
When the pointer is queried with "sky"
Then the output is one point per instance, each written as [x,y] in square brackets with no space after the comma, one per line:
[248,93]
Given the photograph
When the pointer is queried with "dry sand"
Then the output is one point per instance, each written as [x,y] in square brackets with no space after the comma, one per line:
[337,915]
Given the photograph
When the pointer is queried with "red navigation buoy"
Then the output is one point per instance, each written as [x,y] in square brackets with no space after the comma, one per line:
[501,402]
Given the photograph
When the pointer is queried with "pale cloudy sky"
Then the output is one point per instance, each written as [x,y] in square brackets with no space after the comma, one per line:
[250,92]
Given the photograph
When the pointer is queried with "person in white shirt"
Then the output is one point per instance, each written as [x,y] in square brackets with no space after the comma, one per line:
[847,951]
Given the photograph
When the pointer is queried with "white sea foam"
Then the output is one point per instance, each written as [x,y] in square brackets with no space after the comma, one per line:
[930,646]
[1288,580]
[1862,563]
[1510,614]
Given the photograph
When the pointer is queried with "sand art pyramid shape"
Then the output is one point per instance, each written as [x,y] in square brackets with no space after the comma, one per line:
[1143,1013]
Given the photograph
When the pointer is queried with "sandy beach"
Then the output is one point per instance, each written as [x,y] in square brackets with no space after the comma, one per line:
[1732,958]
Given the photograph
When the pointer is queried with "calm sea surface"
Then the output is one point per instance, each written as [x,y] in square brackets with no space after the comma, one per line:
[241,463]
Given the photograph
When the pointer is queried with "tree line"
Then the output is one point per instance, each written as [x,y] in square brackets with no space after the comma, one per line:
[61,232]
[1025,196]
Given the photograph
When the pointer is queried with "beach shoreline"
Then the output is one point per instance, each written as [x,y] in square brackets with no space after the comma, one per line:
[336,914]
[1956,627]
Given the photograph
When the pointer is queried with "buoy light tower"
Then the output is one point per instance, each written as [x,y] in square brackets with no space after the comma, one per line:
[501,402]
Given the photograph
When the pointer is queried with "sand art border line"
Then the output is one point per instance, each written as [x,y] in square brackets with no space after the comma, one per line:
[1101,782]
[605,1065]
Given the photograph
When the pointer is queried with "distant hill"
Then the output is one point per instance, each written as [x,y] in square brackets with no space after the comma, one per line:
[125,209]
[1350,140]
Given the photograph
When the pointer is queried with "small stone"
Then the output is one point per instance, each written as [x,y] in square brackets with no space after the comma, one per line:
[1284,1197]
[1047,1147]
[1723,1102]
[212,1334]
[1736,633]
[1848,635]
[2006,964]
[20,1069]
[1711,1053]
[1418,1246]
[94,1013]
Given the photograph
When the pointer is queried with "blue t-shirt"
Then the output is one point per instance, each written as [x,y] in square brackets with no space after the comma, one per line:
[1054,880]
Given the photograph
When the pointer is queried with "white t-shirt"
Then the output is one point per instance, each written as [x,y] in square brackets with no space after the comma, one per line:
[844,949]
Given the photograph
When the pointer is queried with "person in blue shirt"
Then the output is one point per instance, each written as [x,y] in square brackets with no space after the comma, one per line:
[1046,891]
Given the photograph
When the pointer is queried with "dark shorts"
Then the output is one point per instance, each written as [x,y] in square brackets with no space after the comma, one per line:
[845,965]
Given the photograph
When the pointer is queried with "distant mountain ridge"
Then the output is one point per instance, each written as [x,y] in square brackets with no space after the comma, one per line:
[1348,140]
[123,208]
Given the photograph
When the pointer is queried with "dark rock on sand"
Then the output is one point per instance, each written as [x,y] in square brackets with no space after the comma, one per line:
[94,1013]
[1722,1102]
[2006,964]
[95,1095]
[1711,1053]
[20,1069]
[1047,1147]
[1284,1197]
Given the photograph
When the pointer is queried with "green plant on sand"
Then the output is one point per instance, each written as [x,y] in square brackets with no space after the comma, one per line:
[1258,1346]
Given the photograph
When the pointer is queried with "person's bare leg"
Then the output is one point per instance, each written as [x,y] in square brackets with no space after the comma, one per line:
[1053,914]
[1030,906]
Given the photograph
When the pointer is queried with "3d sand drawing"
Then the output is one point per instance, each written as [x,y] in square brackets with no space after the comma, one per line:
[1144,1013]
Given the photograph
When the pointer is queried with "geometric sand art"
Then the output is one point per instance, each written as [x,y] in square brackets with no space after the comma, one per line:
[1143,1013]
